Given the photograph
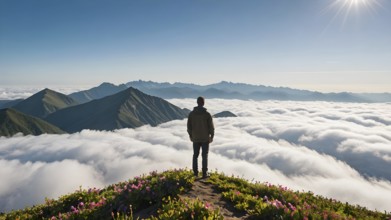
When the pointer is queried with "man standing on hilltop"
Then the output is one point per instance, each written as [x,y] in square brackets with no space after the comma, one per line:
[201,131]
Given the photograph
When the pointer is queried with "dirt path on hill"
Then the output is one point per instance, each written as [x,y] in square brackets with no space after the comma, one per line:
[206,193]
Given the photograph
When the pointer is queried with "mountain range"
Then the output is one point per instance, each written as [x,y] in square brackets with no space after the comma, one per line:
[224,89]
[129,108]
[228,90]
[51,112]
[136,103]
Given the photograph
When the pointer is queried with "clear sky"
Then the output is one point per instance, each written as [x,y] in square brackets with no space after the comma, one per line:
[324,45]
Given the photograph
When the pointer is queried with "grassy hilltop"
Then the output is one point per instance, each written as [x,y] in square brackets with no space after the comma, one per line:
[177,194]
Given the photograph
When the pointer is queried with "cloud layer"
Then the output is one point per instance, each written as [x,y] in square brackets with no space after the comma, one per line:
[337,150]
[25,92]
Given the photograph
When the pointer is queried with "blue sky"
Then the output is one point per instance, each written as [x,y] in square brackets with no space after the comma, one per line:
[324,45]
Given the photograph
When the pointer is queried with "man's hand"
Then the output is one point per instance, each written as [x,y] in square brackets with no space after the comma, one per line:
[210,139]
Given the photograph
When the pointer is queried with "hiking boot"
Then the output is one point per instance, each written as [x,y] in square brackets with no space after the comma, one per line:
[205,175]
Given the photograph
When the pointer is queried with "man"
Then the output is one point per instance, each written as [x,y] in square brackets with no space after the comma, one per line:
[201,131]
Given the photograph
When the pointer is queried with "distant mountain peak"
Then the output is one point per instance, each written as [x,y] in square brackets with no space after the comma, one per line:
[44,103]
[224,114]
[98,92]
[43,92]
[46,92]
[107,84]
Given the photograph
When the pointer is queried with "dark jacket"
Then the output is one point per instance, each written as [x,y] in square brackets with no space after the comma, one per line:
[200,125]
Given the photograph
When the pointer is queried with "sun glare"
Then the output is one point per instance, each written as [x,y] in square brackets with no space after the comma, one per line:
[344,9]
[347,5]
[356,2]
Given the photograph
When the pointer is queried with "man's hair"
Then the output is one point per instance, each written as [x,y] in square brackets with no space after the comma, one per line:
[200,101]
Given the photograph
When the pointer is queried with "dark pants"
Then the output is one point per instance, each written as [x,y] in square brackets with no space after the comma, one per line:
[196,150]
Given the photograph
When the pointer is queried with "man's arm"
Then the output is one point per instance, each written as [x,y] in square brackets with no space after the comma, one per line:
[211,128]
[189,128]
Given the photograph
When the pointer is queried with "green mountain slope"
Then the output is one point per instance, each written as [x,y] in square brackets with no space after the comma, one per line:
[44,103]
[13,122]
[127,109]
[177,194]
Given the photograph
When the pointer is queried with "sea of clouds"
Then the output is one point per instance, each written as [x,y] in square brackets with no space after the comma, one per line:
[338,150]
[22,92]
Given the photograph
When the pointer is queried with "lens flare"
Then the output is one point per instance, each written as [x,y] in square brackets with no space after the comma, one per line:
[345,9]
[356,2]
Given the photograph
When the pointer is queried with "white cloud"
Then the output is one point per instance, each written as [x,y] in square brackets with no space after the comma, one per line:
[16,93]
[303,145]
[10,93]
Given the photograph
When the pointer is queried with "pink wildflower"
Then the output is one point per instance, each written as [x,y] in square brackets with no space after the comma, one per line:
[101,202]
[92,205]
[134,187]
[292,207]
[276,203]
[279,203]
[76,211]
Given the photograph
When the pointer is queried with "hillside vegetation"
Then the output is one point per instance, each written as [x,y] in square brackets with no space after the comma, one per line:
[13,122]
[44,103]
[166,195]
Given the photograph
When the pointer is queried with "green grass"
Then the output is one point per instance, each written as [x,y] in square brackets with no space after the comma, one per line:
[159,192]
[267,201]
[13,121]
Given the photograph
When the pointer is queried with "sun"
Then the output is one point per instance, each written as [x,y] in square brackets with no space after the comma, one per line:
[357,2]
[348,5]
[345,9]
